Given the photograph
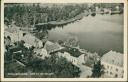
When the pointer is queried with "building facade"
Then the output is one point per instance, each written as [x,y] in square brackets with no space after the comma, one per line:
[113,64]
[70,58]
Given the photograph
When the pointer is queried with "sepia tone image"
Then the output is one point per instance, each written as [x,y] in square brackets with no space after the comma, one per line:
[63,40]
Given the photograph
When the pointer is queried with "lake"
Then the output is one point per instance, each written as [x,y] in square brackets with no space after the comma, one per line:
[100,34]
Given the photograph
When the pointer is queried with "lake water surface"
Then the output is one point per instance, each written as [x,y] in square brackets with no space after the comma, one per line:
[101,33]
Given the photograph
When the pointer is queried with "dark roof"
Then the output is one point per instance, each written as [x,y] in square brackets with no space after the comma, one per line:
[53,47]
[72,51]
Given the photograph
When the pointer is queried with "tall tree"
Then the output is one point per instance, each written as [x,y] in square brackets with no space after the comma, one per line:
[59,66]
[97,70]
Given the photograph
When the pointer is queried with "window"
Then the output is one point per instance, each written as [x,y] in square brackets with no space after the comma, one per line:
[24,34]
[107,72]
[107,66]
[111,73]
[116,69]
[116,75]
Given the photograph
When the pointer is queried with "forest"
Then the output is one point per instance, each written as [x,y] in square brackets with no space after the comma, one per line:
[24,15]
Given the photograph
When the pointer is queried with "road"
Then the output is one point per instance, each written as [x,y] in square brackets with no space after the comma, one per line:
[85,71]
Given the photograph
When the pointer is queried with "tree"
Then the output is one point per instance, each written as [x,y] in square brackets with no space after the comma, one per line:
[59,66]
[60,42]
[72,42]
[97,70]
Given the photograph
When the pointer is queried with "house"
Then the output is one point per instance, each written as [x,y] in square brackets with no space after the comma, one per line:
[82,58]
[42,53]
[31,40]
[14,35]
[113,64]
[77,61]
[18,35]
[70,58]
[7,40]
[93,56]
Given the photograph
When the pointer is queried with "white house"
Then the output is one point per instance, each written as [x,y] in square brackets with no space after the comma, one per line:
[70,58]
[42,53]
[113,64]
[82,58]
[52,47]
[18,35]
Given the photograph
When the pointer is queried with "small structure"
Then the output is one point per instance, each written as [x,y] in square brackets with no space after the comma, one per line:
[52,47]
[70,58]
[113,64]
[42,53]
[18,35]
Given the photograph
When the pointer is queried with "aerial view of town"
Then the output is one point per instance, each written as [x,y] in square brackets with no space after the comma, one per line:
[63,40]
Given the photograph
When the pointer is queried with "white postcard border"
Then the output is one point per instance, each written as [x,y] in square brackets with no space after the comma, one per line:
[64,79]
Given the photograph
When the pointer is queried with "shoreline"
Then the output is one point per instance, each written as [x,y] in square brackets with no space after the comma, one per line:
[62,22]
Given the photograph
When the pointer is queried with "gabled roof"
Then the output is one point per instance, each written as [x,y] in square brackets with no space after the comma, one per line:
[52,47]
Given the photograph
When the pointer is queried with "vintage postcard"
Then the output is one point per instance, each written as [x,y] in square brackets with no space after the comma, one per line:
[64,40]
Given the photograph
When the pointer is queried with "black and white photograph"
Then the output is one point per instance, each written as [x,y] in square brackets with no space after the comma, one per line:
[63,40]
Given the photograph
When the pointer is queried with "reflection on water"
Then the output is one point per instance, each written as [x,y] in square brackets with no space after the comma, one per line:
[100,33]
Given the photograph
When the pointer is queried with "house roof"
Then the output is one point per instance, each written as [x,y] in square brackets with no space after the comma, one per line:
[113,57]
[52,47]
